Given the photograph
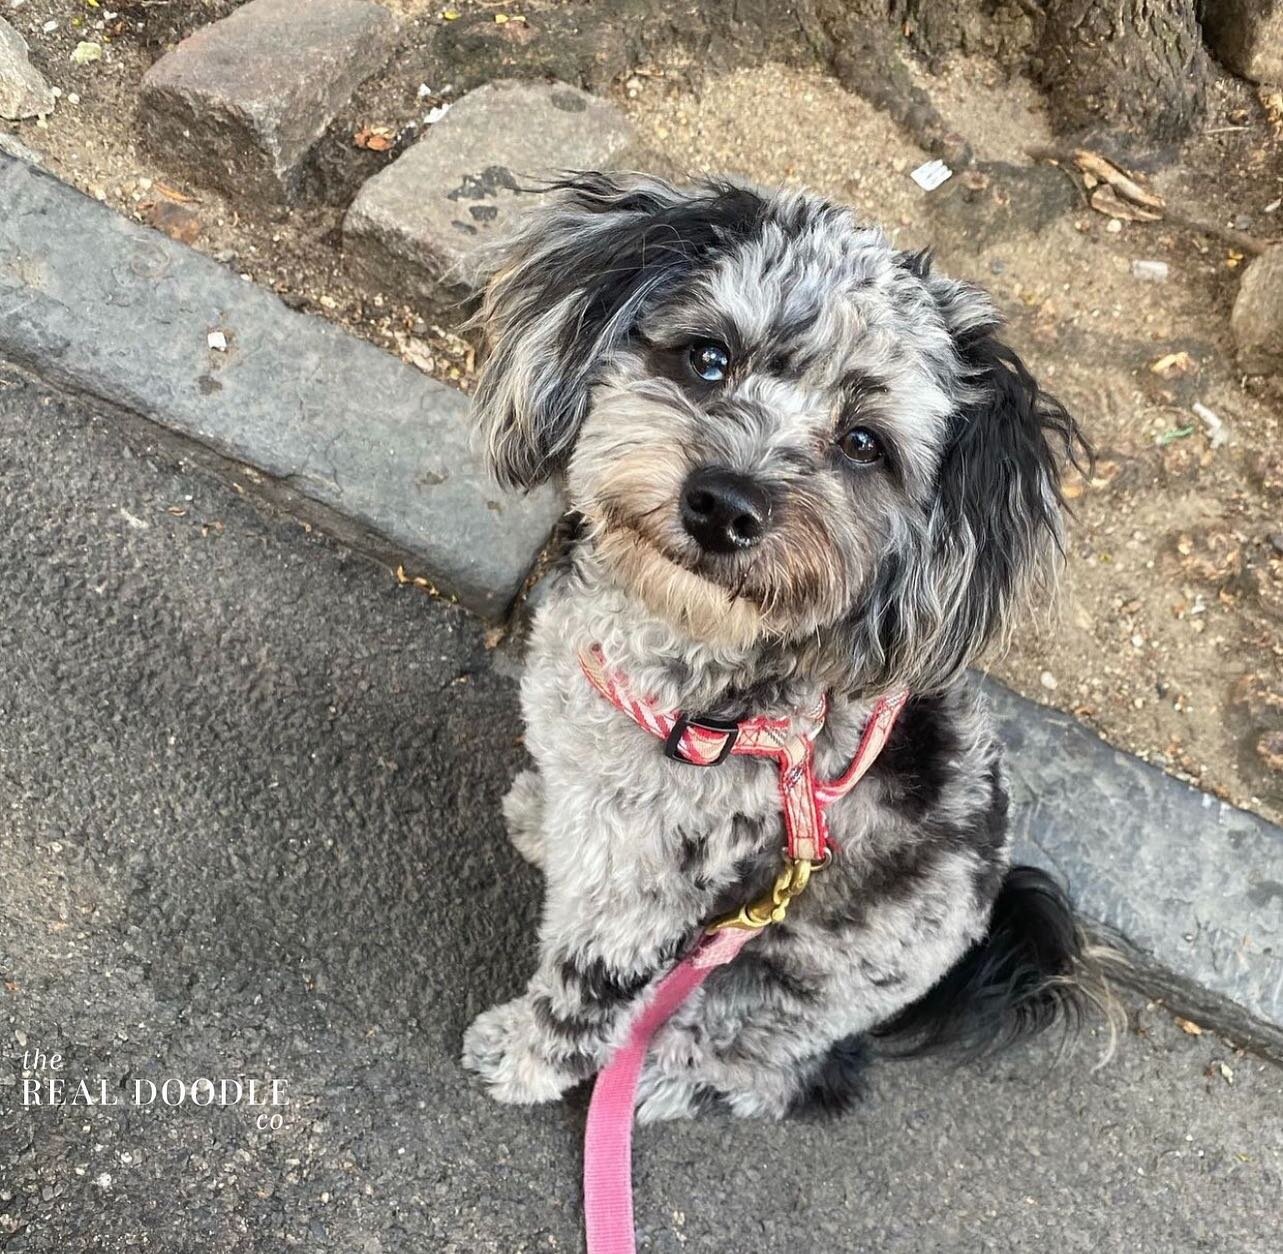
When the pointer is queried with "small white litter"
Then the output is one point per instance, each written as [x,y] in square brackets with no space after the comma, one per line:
[931,175]
[1216,432]
[218,341]
[436,113]
[1150,271]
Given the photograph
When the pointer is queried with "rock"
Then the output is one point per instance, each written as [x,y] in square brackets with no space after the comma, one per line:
[420,222]
[1247,37]
[1257,320]
[11,146]
[1173,876]
[24,93]
[239,104]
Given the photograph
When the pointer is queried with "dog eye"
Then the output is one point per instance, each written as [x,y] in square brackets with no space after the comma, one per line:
[861,446]
[710,361]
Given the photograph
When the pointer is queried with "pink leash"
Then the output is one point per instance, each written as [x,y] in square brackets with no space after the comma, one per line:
[608,1188]
[608,1140]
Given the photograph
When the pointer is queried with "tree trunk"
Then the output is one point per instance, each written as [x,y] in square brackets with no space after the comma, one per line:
[1123,65]
[857,40]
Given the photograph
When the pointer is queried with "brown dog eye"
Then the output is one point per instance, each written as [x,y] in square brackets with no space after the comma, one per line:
[861,446]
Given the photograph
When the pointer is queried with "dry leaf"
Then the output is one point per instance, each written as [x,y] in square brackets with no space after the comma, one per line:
[1173,365]
[375,138]
[1272,102]
[176,221]
[1188,1027]
[172,193]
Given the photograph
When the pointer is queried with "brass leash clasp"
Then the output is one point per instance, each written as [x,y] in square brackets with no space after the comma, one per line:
[789,883]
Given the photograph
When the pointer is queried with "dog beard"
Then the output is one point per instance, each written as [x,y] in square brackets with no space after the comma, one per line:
[705,610]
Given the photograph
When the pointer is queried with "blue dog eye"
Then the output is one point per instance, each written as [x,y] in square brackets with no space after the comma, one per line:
[710,361]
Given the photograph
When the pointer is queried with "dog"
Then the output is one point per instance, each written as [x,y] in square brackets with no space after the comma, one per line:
[804,467]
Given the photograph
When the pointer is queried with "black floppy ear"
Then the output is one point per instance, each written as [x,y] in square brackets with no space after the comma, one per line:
[568,290]
[996,526]
[992,529]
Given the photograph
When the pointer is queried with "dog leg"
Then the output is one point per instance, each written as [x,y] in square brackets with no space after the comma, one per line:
[756,1075]
[523,808]
[579,1002]
[763,1040]
[661,1097]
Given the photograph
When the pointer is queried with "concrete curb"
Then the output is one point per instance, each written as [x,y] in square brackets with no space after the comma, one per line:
[1190,888]
[335,428]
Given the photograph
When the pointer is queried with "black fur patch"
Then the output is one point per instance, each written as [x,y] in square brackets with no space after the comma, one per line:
[1014,982]
[652,238]
[836,1083]
[764,977]
[915,765]
[593,982]
[987,835]
[596,983]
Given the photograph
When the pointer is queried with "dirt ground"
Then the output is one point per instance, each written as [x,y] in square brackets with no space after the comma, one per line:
[1170,637]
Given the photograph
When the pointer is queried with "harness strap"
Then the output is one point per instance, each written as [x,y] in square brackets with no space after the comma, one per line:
[703,741]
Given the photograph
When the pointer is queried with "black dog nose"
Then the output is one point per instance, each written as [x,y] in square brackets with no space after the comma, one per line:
[724,512]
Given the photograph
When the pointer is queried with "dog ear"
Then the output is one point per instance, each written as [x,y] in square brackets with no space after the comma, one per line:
[999,509]
[993,530]
[567,291]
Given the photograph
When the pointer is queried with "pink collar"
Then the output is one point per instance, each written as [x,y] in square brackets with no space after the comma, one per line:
[702,741]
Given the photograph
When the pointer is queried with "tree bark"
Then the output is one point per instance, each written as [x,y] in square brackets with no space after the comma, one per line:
[857,39]
[1123,64]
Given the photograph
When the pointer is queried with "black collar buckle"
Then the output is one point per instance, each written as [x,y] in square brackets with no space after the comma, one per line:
[727,727]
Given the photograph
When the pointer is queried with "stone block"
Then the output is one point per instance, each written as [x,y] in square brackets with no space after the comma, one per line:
[1257,320]
[1247,37]
[239,104]
[24,93]
[418,225]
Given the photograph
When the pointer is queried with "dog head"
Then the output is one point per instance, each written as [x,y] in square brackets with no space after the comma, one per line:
[780,430]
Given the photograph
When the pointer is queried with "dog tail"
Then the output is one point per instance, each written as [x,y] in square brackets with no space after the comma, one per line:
[1033,970]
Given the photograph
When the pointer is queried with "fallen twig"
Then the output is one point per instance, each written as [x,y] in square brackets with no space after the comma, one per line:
[1152,207]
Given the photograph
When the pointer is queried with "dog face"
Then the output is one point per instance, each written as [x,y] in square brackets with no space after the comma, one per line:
[780,431]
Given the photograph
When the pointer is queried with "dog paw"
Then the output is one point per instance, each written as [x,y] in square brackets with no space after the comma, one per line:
[502,1047]
[523,810]
[664,1097]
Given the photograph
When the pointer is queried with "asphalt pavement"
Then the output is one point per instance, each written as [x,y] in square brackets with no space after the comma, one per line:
[250,830]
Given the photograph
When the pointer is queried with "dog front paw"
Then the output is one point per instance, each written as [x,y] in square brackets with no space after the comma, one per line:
[523,808]
[503,1047]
